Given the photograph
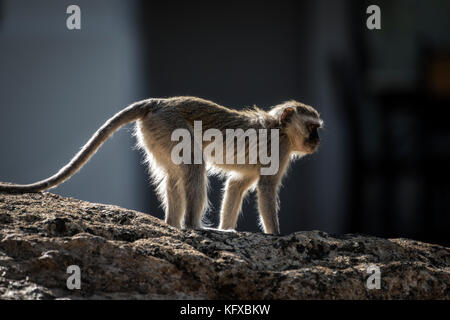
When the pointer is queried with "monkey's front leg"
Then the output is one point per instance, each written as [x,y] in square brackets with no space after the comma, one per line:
[235,190]
[268,204]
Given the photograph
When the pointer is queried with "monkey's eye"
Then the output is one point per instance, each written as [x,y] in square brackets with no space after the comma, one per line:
[312,127]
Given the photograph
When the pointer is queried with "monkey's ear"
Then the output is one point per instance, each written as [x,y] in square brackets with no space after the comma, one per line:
[286,115]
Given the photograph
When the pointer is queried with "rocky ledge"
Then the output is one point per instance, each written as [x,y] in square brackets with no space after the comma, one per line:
[124,254]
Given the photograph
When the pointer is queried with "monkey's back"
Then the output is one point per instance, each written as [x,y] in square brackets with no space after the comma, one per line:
[213,115]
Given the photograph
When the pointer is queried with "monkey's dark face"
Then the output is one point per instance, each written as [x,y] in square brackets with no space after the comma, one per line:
[310,124]
[312,140]
[301,124]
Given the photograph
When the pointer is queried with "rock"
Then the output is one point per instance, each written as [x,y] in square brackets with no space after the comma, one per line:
[127,254]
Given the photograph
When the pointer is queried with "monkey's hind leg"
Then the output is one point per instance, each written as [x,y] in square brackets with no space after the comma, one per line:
[175,205]
[194,177]
[184,191]
[153,134]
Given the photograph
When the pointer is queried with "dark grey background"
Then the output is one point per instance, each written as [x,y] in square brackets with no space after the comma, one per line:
[58,86]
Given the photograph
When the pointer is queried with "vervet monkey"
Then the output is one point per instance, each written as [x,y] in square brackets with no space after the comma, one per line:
[182,188]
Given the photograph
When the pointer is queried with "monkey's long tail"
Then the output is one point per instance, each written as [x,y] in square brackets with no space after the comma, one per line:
[131,113]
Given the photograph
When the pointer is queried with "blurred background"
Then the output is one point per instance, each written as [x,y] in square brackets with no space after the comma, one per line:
[382,168]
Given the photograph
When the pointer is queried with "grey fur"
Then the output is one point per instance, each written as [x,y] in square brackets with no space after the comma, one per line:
[183,188]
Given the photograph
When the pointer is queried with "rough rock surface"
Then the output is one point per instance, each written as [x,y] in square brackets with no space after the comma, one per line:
[128,254]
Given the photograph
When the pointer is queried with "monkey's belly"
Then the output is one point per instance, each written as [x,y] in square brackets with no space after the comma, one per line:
[245,169]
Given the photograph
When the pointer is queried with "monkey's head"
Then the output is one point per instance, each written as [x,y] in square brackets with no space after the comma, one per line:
[301,124]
